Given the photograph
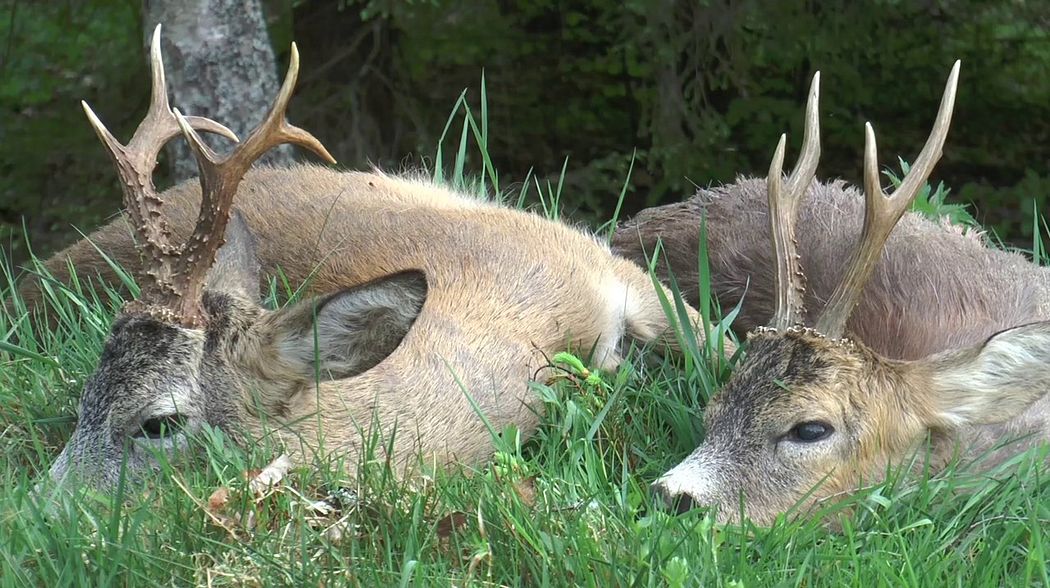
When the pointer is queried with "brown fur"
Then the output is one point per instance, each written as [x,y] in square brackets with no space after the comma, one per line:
[505,290]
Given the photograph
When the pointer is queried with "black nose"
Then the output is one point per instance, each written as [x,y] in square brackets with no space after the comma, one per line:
[678,502]
[683,503]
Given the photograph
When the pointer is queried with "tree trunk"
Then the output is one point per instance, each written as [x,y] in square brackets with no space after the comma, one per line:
[219,64]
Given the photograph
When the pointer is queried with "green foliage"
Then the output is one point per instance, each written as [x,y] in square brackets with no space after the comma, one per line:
[52,55]
[931,203]
[1013,207]
[696,93]
[686,93]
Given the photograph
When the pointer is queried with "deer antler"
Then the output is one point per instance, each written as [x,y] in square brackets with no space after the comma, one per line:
[219,179]
[783,214]
[135,162]
[175,273]
[882,211]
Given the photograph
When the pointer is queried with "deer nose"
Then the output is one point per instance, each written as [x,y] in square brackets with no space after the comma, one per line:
[683,503]
[677,501]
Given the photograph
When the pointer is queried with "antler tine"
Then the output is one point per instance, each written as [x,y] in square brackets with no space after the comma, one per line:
[806,168]
[159,126]
[135,162]
[274,130]
[783,214]
[882,211]
[220,177]
[289,133]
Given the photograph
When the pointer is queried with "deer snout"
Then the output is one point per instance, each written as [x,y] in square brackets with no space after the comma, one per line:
[678,502]
[691,484]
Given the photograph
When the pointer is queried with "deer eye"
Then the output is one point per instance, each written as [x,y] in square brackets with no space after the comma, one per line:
[160,427]
[811,431]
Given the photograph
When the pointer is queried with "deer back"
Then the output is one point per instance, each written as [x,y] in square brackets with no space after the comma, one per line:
[505,290]
[936,286]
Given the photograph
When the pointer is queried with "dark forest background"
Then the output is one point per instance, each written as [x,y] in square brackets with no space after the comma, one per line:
[694,93]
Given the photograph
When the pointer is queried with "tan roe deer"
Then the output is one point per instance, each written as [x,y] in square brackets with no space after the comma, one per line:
[951,339]
[425,307]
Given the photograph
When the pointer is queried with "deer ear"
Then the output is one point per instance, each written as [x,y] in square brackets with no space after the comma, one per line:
[994,381]
[346,333]
[236,267]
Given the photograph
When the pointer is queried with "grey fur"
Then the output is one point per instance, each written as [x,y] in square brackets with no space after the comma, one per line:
[936,287]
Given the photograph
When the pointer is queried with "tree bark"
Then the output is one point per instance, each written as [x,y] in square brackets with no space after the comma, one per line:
[219,64]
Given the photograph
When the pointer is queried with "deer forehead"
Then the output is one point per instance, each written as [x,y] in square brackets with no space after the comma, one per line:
[789,375]
[139,344]
[143,349]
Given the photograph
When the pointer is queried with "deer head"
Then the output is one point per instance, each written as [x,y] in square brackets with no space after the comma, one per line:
[197,344]
[811,413]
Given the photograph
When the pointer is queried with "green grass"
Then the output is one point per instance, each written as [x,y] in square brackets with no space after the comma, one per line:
[570,506]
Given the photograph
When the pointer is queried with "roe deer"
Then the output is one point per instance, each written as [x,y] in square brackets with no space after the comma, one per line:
[951,339]
[421,297]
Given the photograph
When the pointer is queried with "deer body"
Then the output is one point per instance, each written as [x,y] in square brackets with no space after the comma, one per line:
[936,286]
[427,311]
[924,332]
[488,268]
[505,289]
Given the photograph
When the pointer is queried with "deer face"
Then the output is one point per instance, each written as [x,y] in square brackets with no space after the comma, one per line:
[797,419]
[157,382]
[190,349]
[806,417]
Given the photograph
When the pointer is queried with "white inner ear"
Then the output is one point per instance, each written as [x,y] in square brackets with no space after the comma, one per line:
[1011,371]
